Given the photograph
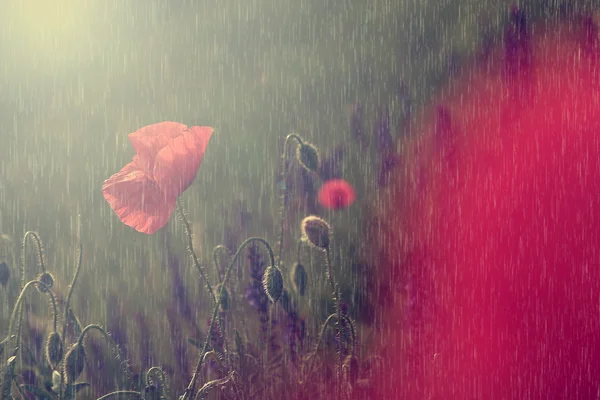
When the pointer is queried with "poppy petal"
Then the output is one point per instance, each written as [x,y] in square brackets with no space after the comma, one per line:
[137,200]
[149,140]
[336,194]
[177,163]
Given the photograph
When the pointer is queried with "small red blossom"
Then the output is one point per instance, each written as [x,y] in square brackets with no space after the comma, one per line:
[336,194]
[144,193]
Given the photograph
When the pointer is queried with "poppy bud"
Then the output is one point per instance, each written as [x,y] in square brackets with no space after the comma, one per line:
[315,231]
[54,350]
[299,278]
[273,283]
[47,282]
[308,156]
[222,297]
[350,368]
[74,362]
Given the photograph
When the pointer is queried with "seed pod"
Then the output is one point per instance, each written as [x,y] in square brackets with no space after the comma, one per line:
[299,278]
[308,157]
[273,283]
[74,362]
[223,297]
[315,231]
[47,282]
[54,349]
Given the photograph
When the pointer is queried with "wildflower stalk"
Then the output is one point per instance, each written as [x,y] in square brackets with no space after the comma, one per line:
[122,393]
[40,255]
[39,251]
[68,301]
[190,389]
[199,267]
[338,308]
[216,251]
[17,307]
[284,195]
[188,233]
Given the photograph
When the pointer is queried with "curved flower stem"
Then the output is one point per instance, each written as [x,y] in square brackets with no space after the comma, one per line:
[99,329]
[216,260]
[158,371]
[64,330]
[40,256]
[284,195]
[199,267]
[188,232]
[39,252]
[17,306]
[119,393]
[321,334]
[192,384]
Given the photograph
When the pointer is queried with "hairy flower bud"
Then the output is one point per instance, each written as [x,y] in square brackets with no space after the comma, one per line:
[315,231]
[308,156]
[47,282]
[299,278]
[273,283]
[74,362]
[54,349]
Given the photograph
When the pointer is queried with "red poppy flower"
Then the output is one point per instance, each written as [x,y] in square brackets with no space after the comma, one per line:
[144,193]
[336,194]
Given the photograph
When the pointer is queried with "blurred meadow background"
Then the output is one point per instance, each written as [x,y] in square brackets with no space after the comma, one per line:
[77,76]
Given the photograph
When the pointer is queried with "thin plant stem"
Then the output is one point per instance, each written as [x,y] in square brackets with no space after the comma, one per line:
[284,194]
[199,267]
[216,251]
[54,310]
[337,299]
[330,276]
[39,252]
[188,232]
[40,256]
[190,389]
[95,327]
[120,393]
[68,301]
[18,305]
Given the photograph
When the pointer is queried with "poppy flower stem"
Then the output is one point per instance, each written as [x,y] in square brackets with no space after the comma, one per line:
[66,320]
[188,233]
[191,387]
[18,308]
[39,251]
[284,194]
[201,270]
[338,308]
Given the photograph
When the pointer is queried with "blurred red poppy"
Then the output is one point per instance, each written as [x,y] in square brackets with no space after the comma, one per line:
[144,193]
[336,194]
